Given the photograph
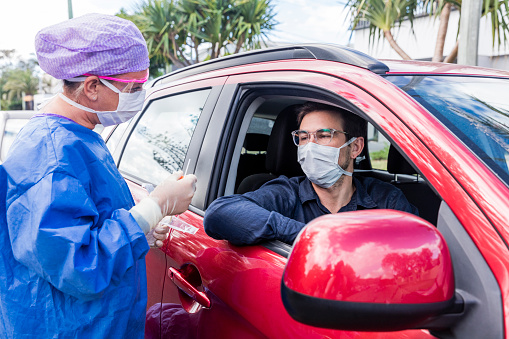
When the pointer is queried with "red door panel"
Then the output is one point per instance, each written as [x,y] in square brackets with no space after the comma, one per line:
[243,284]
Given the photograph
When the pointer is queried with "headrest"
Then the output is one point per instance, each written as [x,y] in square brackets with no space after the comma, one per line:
[256,142]
[281,151]
[396,164]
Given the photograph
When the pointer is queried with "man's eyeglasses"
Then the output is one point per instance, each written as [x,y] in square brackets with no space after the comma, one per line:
[322,136]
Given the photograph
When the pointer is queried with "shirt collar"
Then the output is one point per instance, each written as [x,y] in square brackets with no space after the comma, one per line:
[361,196]
[306,191]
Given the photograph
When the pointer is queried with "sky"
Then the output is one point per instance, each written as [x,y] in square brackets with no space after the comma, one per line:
[300,21]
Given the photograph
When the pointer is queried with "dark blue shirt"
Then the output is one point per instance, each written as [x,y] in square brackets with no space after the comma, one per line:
[282,207]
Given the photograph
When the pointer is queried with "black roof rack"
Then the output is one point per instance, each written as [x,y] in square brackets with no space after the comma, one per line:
[308,51]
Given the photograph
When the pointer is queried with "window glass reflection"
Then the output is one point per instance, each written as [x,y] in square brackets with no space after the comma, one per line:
[475,109]
[159,142]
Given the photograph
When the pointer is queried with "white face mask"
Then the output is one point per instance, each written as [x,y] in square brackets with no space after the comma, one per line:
[128,105]
[320,163]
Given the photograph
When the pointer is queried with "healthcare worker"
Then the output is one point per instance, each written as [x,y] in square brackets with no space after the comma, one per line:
[72,245]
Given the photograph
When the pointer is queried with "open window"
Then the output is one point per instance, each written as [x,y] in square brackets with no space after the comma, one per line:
[264,149]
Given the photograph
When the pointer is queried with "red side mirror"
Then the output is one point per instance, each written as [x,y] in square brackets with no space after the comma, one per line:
[373,270]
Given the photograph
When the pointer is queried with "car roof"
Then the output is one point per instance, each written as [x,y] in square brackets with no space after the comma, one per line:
[426,67]
[328,52]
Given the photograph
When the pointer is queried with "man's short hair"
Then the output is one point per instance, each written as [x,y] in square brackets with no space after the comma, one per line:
[354,125]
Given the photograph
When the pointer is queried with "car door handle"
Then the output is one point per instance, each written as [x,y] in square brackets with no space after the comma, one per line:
[182,284]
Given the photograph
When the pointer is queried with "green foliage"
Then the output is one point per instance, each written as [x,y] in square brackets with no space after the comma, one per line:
[14,105]
[21,81]
[16,80]
[379,158]
[381,154]
[175,30]
[497,11]
[382,15]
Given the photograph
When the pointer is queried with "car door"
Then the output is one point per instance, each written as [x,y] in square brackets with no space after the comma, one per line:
[159,141]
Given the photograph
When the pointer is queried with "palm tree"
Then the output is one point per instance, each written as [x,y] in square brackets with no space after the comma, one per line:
[173,28]
[21,82]
[443,12]
[194,20]
[162,24]
[219,24]
[383,16]
[496,9]
[254,19]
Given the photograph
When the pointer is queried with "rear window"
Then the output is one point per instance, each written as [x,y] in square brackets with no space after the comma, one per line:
[158,144]
[475,109]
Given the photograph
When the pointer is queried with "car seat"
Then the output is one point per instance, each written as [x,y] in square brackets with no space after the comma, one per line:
[252,160]
[281,158]
[417,192]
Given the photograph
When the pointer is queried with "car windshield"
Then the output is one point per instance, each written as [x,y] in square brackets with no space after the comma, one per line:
[475,109]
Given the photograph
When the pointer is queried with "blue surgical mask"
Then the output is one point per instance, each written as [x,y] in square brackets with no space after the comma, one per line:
[320,163]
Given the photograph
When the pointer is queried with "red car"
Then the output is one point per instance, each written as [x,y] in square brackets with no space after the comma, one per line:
[439,132]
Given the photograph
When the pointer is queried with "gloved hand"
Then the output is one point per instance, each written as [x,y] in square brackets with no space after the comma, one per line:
[158,235]
[170,197]
[174,195]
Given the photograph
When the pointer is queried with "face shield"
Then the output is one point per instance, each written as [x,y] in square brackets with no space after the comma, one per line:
[131,85]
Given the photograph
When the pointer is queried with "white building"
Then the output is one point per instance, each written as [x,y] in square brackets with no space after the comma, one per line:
[420,45]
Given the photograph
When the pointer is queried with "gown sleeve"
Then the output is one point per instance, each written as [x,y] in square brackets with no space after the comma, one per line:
[53,231]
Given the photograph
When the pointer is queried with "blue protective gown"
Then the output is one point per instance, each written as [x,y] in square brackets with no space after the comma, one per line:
[71,255]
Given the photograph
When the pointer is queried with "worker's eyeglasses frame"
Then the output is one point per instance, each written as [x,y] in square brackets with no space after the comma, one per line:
[130,83]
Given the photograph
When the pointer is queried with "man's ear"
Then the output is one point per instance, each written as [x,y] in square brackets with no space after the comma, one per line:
[357,147]
[90,89]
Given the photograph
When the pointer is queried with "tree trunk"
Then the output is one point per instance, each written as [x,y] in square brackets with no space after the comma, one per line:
[185,61]
[174,57]
[395,46]
[195,43]
[215,50]
[453,55]
[240,42]
[442,33]
[174,60]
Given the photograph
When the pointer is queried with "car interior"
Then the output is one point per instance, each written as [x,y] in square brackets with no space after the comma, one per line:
[267,151]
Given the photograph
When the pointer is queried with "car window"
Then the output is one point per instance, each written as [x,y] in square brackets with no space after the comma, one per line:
[475,109]
[12,128]
[158,144]
[378,147]
[115,136]
[260,126]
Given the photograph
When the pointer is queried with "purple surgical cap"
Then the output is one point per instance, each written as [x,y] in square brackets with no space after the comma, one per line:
[93,43]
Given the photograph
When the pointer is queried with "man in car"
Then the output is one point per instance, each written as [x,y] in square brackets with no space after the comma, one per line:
[328,140]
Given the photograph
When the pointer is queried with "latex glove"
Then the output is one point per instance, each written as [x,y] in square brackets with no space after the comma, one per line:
[175,193]
[158,235]
[170,197]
